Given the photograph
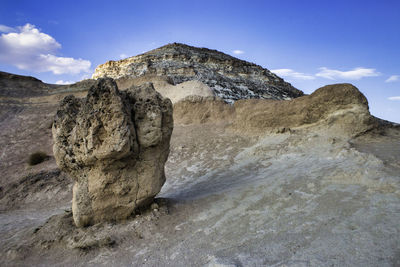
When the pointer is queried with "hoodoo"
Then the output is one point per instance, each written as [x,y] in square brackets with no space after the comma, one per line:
[114,144]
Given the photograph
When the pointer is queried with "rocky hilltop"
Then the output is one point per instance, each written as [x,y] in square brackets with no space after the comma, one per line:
[228,77]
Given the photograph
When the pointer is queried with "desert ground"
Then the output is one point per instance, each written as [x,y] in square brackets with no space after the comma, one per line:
[308,195]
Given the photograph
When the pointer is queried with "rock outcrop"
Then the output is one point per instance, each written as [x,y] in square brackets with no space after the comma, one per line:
[341,106]
[228,78]
[114,144]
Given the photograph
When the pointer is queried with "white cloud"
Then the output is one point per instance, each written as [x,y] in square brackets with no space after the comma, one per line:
[238,52]
[4,28]
[354,74]
[393,78]
[28,40]
[64,82]
[122,56]
[292,74]
[394,98]
[60,65]
[29,49]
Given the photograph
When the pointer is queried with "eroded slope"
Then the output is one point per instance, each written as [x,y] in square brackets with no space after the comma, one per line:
[238,193]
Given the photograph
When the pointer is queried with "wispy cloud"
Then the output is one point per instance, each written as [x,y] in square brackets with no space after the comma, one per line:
[64,82]
[354,74]
[393,78]
[52,21]
[394,98]
[238,52]
[4,28]
[28,48]
[122,56]
[293,74]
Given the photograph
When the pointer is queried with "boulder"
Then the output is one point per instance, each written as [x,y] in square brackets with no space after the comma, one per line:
[114,145]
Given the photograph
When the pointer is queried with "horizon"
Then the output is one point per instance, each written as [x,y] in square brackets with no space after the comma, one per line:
[309,45]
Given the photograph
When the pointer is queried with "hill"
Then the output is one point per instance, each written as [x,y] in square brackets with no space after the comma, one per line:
[227,77]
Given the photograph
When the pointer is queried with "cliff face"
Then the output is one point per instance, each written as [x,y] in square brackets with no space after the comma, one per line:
[229,78]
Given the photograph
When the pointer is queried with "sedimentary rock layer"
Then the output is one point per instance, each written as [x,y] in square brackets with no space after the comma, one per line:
[229,78]
[341,106]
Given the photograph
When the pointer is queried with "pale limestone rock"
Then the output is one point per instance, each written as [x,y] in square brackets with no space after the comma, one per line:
[114,145]
[215,74]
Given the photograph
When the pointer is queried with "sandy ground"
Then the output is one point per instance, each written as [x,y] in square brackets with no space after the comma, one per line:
[300,198]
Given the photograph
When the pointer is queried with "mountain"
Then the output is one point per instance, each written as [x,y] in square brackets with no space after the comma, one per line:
[228,77]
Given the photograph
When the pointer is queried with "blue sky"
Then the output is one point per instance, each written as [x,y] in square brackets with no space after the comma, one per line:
[308,43]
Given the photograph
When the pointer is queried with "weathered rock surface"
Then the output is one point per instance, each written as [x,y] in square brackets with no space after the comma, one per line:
[229,78]
[114,144]
[341,106]
[166,87]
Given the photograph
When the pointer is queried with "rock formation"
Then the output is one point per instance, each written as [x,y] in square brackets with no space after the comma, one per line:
[228,78]
[339,105]
[114,144]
